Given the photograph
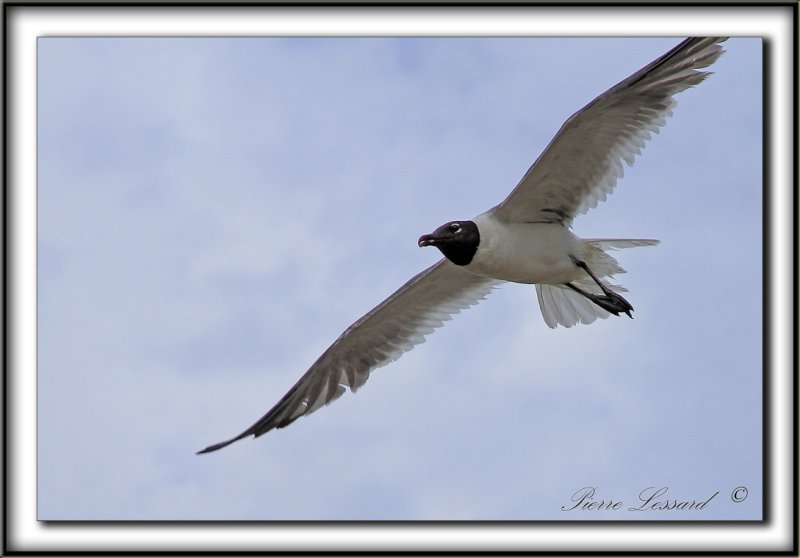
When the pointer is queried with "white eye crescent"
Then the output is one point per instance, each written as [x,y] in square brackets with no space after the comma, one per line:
[455,227]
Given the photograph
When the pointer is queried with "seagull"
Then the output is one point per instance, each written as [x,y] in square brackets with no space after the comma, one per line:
[525,239]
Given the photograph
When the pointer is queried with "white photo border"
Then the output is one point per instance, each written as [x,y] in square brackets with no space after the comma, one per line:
[25,23]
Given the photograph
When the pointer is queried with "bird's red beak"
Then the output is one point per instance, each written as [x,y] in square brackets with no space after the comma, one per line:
[426,240]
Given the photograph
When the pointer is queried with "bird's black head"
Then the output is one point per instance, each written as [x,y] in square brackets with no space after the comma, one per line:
[457,240]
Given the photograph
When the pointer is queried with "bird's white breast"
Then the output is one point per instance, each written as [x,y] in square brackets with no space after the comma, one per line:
[525,252]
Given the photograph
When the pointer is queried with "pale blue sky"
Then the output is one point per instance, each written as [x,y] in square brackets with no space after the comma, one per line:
[214,212]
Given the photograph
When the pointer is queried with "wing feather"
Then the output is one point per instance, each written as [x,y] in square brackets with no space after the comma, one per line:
[583,162]
[381,336]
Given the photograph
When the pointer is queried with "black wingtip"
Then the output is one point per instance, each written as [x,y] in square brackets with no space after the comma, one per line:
[215,447]
[221,445]
[209,449]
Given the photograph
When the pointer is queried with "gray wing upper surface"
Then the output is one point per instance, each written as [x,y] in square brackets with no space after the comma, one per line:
[390,329]
[583,162]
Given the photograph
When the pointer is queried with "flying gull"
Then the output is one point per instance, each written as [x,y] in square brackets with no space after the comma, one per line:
[524,239]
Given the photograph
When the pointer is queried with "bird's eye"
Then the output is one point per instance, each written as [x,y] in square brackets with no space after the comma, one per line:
[455,227]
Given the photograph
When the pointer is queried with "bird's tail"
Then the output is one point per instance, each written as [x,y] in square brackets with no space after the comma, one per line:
[562,305]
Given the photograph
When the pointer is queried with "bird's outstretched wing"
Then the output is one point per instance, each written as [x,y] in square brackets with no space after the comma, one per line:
[582,163]
[390,329]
